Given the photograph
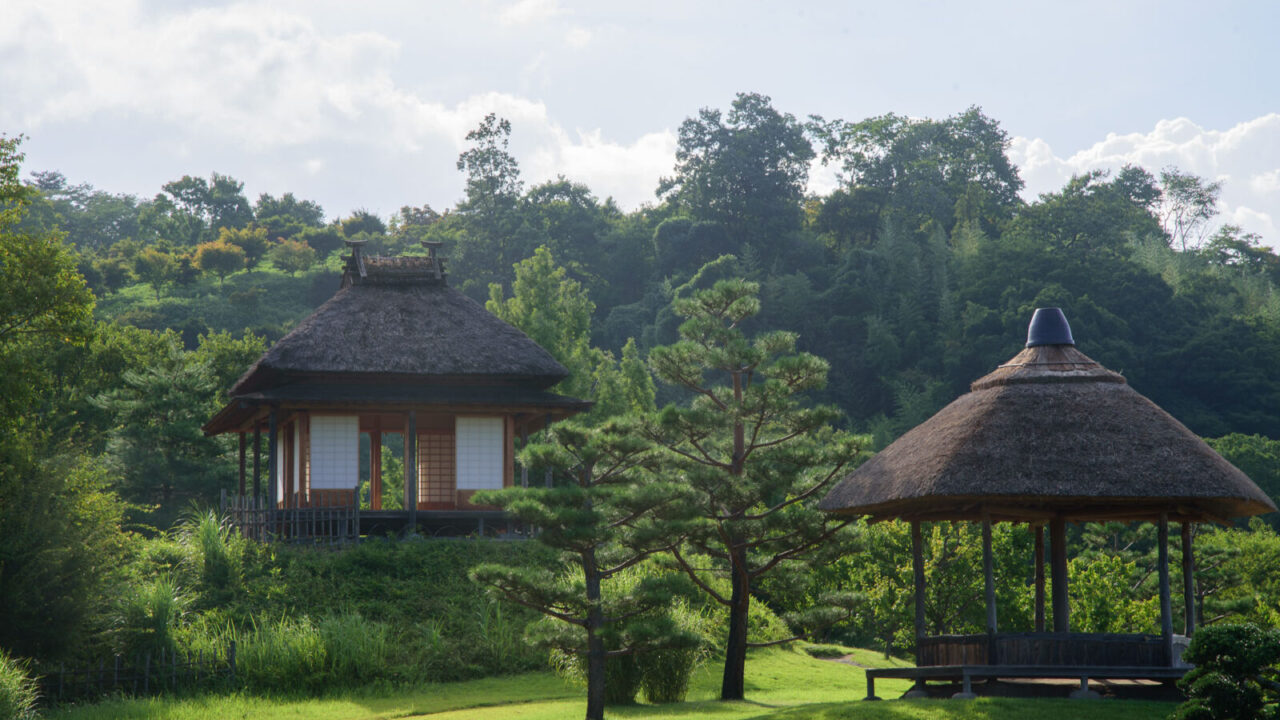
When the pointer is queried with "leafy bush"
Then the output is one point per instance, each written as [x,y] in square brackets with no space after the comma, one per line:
[1235,674]
[283,656]
[18,693]
[149,616]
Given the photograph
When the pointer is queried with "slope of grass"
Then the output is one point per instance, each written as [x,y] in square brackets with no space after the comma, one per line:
[781,685]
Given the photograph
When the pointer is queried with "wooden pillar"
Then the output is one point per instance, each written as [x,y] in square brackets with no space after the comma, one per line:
[1188,580]
[917,570]
[257,461]
[243,442]
[411,470]
[1039,531]
[375,468]
[989,583]
[524,467]
[547,429]
[1058,566]
[1166,604]
[273,449]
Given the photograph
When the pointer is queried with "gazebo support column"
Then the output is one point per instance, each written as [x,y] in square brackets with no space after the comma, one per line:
[917,571]
[524,467]
[1188,581]
[243,442]
[257,462]
[1166,604]
[989,583]
[411,470]
[1039,564]
[273,444]
[1058,549]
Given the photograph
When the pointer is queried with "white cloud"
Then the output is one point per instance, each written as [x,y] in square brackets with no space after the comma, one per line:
[266,81]
[526,12]
[578,37]
[1246,158]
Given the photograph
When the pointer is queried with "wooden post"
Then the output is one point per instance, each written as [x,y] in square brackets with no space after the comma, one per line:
[257,460]
[989,582]
[524,467]
[546,430]
[1039,531]
[243,441]
[1058,552]
[411,470]
[1188,580]
[375,468]
[917,570]
[1166,604]
[273,449]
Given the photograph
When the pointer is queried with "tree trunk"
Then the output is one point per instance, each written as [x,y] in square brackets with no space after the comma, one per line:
[733,686]
[595,643]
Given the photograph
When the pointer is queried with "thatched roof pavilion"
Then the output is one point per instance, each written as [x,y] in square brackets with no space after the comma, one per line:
[395,350]
[1050,437]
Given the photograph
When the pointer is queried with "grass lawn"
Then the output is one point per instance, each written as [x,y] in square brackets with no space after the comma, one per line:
[781,685]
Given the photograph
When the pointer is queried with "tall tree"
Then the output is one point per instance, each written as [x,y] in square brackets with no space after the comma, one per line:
[946,170]
[609,516]
[746,170]
[1188,204]
[491,238]
[755,459]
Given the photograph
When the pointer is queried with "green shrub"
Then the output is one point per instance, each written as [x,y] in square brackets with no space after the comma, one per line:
[357,650]
[1235,674]
[149,617]
[825,652]
[622,679]
[284,656]
[18,693]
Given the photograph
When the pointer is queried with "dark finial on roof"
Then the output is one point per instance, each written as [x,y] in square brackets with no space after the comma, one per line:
[1049,327]
[355,262]
[437,262]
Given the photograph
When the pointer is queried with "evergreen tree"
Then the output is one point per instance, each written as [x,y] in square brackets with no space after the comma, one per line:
[755,459]
[609,516]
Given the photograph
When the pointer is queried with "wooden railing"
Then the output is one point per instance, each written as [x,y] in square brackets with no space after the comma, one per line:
[164,672]
[1046,649]
[330,519]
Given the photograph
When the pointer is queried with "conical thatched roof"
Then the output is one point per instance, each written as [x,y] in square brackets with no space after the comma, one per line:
[1050,433]
[397,317]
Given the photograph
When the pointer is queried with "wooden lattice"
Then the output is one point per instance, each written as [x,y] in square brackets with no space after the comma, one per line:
[437,474]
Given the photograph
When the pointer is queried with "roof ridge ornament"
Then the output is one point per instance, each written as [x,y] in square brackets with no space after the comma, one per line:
[1049,327]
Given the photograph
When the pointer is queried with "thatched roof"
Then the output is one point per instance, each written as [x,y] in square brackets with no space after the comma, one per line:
[1049,433]
[398,317]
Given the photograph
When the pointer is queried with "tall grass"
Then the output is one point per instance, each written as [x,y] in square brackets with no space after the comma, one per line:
[18,693]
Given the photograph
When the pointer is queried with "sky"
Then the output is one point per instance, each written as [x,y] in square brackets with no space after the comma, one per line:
[366,105]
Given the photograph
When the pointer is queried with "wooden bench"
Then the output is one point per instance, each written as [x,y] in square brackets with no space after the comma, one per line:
[966,673]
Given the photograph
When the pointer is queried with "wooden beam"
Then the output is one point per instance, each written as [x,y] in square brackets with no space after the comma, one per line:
[1188,581]
[524,467]
[1039,564]
[548,427]
[1166,604]
[1058,553]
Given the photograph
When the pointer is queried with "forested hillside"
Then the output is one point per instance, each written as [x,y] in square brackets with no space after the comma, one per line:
[124,320]
[913,278]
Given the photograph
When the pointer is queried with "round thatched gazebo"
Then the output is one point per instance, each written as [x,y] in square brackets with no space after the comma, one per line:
[1048,438]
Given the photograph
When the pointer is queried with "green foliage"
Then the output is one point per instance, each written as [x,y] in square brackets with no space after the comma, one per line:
[745,170]
[148,619]
[18,691]
[60,547]
[292,256]
[252,242]
[1104,598]
[220,258]
[1235,674]
[755,459]
[1259,458]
